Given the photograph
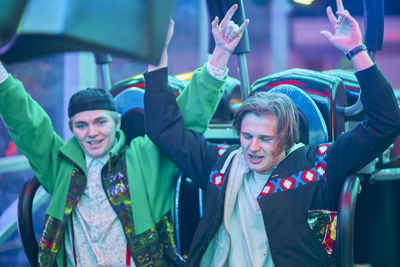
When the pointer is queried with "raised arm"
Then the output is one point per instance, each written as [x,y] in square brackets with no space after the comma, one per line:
[357,147]
[165,127]
[199,100]
[164,55]
[30,128]
[164,124]
[226,36]
[347,36]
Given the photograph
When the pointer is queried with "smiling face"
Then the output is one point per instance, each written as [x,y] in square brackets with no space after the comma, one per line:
[259,142]
[95,131]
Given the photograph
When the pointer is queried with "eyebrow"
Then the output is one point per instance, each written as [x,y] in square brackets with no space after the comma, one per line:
[76,122]
[95,120]
[262,136]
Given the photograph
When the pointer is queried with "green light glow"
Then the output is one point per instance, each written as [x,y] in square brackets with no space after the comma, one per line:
[303,2]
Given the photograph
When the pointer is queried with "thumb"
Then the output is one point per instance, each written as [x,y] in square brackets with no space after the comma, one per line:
[214,26]
[214,23]
[327,35]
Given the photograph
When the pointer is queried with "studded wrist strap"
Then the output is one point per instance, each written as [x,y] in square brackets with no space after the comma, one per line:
[356,50]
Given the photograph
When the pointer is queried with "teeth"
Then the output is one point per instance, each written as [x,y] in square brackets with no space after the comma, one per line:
[93,142]
[255,157]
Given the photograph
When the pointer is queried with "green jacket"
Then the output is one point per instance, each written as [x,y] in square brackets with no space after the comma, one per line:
[61,169]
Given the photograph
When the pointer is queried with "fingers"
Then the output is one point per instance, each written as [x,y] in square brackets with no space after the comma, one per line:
[345,14]
[228,15]
[340,10]
[214,23]
[341,15]
[339,5]
[233,34]
[227,32]
[244,25]
[170,32]
[331,16]
[327,34]
[171,27]
[230,29]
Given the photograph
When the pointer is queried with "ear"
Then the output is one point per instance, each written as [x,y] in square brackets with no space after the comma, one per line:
[118,124]
[70,124]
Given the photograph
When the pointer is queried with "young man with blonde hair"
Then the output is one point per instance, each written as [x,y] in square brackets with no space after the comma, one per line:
[272,201]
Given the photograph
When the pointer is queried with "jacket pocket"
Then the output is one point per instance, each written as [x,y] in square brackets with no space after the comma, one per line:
[323,224]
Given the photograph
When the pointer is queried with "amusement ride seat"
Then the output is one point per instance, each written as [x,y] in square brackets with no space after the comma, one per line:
[327,91]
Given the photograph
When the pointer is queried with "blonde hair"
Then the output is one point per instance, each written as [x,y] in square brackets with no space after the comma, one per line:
[278,105]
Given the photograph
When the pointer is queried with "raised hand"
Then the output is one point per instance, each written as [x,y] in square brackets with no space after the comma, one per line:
[347,33]
[164,56]
[170,33]
[227,34]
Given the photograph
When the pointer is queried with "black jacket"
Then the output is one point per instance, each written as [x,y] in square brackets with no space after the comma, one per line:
[288,196]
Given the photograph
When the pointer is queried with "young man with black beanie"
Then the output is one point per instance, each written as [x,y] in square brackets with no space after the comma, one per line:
[111,203]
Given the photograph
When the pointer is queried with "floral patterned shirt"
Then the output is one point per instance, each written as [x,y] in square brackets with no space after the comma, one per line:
[99,238]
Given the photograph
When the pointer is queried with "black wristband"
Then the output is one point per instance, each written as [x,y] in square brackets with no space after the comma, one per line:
[356,50]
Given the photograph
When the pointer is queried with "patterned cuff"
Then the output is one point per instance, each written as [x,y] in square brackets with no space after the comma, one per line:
[3,73]
[216,72]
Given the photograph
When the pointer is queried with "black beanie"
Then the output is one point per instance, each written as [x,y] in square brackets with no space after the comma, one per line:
[91,99]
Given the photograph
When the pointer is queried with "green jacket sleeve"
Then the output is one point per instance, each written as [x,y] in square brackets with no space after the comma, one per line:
[31,130]
[199,99]
[153,182]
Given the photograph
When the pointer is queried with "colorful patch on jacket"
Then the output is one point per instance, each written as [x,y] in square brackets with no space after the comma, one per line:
[151,247]
[323,223]
[53,230]
[217,178]
[50,241]
[115,183]
[221,149]
[301,178]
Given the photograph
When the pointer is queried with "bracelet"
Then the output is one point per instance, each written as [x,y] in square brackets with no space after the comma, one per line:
[216,72]
[356,50]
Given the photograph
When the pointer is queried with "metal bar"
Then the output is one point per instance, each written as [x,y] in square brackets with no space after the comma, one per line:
[386,175]
[14,164]
[244,76]
[8,219]
[105,75]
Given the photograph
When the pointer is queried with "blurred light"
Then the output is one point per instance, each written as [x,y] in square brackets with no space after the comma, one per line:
[304,2]
[184,76]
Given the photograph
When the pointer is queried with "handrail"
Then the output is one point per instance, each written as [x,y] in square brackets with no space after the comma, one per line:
[345,235]
[25,224]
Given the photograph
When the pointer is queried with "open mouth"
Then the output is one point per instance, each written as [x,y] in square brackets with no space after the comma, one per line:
[94,142]
[255,158]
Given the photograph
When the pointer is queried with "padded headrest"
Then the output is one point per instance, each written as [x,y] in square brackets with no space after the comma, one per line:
[327,91]
[131,106]
[315,124]
[129,96]
[138,82]
[352,88]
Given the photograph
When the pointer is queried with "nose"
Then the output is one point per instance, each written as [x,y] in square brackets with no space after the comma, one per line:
[254,144]
[92,131]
